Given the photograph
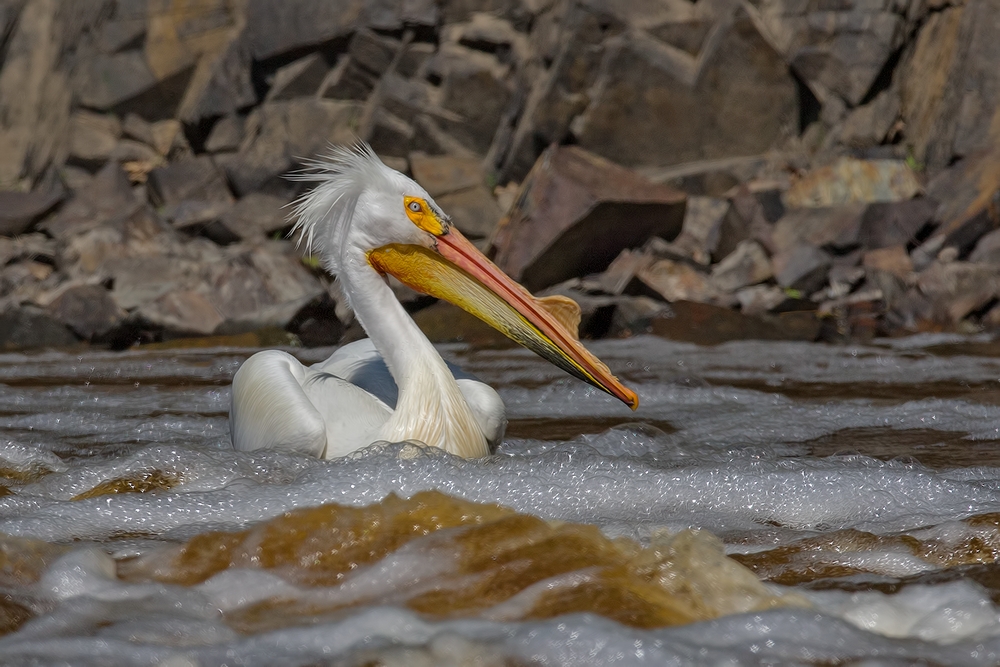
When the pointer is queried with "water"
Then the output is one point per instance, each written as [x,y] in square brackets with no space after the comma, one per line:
[861,484]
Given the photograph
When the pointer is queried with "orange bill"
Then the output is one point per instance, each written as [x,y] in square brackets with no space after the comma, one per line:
[457,272]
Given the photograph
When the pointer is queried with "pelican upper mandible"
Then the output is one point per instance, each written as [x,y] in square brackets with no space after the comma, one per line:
[366,222]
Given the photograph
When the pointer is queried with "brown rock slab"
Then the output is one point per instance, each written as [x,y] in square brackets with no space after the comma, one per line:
[967,190]
[987,249]
[226,134]
[221,83]
[35,94]
[706,324]
[474,211]
[443,174]
[195,178]
[677,281]
[183,312]
[107,197]
[956,289]
[124,82]
[281,26]
[894,260]
[802,267]
[20,210]
[478,94]
[759,299]
[951,85]
[298,78]
[27,326]
[747,265]
[850,180]
[736,97]
[884,225]
[93,138]
[88,310]
[258,215]
[702,222]
[836,227]
[576,212]
[868,125]
[280,134]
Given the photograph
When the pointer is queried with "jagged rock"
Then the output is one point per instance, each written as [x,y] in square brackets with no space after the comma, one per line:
[987,249]
[802,267]
[736,97]
[281,26]
[837,227]
[477,92]
[258,215]
[837,47]
[22,282]
[443,174]
[394,15]
[221,83]
[299,78]
[747,265]
[125,31]
[26,246]
[950,83]
[576,212]
[88,311]
[487,32]
[760,299]
[744,219]
[706,324]
[32,327]
[226,134]
[20,210]
[415,56]
[968,189]
[702,224]
[677,281]
[279,134]
[191,179]
[956,289]
[620,276]
[893,260]
[93,138]
[898,223]
[260,287]
[142,280]
[181,312]
[107,199]
[473,210]
[35,95]
[124,82]
[868,125]
[849,180]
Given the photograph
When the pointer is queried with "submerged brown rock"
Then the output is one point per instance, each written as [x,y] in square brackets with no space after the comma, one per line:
[465,559]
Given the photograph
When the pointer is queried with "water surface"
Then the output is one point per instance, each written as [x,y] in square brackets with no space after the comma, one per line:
[860,483]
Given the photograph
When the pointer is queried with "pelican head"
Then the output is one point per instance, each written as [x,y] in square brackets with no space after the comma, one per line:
[365,216]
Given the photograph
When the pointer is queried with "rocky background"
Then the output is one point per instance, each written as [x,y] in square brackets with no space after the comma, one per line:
[705,170]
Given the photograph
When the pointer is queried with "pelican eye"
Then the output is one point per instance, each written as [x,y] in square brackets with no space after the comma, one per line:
[423,216]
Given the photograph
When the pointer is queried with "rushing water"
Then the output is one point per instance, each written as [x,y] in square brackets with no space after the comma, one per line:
[860,483]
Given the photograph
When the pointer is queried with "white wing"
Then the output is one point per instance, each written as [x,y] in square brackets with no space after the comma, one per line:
[334,407]
[277,403]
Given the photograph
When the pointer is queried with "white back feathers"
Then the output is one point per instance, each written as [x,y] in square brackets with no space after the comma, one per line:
[325,214]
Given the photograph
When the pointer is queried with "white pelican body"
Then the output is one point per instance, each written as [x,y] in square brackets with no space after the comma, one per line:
[368,221]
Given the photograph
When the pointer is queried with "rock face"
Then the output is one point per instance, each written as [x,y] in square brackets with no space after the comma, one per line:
[575,213]
[759,166]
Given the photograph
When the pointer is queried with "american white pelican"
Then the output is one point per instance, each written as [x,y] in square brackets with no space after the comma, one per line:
[368,221]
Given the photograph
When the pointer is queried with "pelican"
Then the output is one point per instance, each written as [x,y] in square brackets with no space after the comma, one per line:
[366,222]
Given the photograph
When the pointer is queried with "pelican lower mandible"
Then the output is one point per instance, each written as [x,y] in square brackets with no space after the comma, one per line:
[366,222]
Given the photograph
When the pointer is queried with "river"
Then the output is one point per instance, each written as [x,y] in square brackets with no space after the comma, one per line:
[855,490]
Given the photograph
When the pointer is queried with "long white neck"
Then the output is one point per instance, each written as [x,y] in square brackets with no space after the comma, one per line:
[430,406]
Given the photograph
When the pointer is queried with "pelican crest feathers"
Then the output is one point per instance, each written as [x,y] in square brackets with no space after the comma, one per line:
[325,213]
